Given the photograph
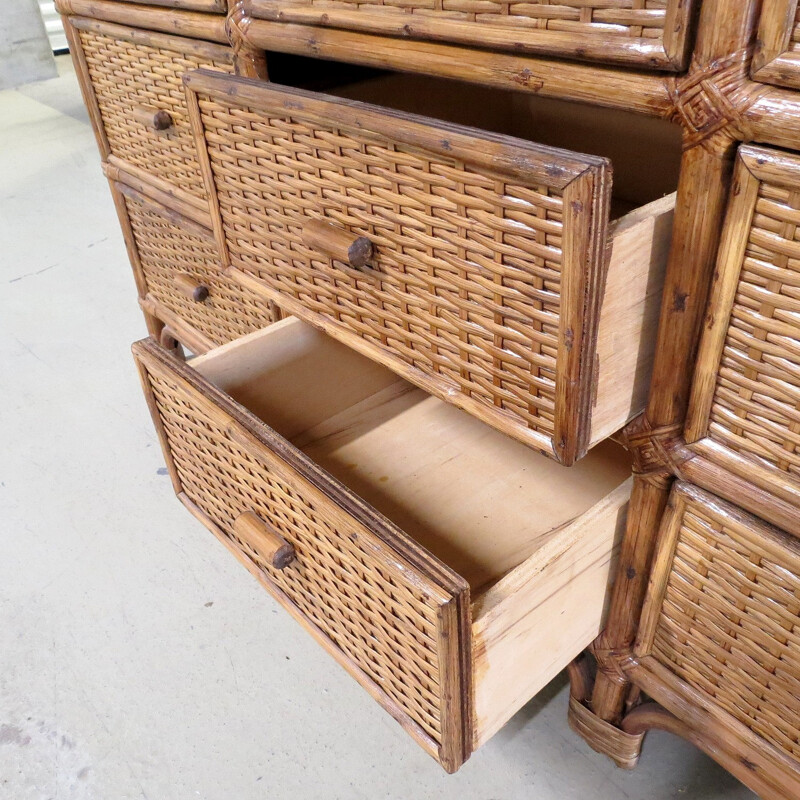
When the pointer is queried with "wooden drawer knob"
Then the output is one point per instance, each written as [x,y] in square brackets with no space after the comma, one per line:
[336,242]
[271,548]
[191,288]
[154,118]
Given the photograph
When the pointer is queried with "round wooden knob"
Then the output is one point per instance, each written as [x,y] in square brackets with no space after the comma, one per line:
[191,288]
[269,547]
[154,118]
[335,242]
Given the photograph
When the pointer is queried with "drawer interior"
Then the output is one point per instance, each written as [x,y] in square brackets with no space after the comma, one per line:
[475,498]
[645,152]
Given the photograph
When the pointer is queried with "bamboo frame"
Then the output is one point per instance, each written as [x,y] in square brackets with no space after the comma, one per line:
[724,99]
[773,60]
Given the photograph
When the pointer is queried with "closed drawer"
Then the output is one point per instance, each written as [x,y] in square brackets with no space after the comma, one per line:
[776,59]
[132,84]
[181,280]
[650,34]
[452,571]
[745,407]
[209,6]
[495,280]
[722,617]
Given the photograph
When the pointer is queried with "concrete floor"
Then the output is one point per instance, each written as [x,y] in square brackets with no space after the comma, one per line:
[137,658]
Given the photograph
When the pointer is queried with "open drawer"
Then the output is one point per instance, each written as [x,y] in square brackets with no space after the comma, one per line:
[451,570]
[479,266]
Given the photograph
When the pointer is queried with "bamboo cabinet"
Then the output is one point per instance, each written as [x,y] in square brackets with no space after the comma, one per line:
[494,316]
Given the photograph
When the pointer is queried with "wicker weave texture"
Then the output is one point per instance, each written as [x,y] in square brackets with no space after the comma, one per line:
[794,39]
[465,283]
[729,624]
[756,406]
[165,250]
[370,607]
[126,75]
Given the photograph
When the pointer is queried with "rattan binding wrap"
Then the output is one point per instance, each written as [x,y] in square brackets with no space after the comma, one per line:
[127,73]
[623,748]
[723,613]
[168,246]
[386,620]
[466,287]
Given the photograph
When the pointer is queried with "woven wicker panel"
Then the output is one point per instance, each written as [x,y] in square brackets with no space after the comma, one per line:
[729,623]
[166,250]
[756,406]
[464,288]
[128,74]
[372,606]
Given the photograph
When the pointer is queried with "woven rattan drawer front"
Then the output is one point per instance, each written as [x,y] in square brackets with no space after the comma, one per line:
[642,33]
[209,6]
[723,613]
[776,58]
[389,612]
[745,409]
[488,252]
[140,102]
[175,257]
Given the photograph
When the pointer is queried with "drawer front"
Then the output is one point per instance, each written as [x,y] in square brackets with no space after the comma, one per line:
[209,6]
[392,615]
[135,80]
[487,259]
[174,256]
[723,613]
[776,59]
[642,33]
[745,407]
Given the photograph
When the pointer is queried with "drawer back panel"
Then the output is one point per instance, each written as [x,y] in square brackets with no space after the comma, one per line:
[168,246]
[130,70]
[487,259]
[746,397]
[724,611]
[398,630]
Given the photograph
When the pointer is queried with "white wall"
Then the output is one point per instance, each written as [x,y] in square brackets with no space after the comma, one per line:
[52,23]
[25,52]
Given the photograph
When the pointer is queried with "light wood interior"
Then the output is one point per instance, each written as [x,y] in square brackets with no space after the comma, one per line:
[645,151]
[477,499]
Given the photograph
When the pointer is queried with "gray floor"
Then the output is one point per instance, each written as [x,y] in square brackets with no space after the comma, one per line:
[137,658]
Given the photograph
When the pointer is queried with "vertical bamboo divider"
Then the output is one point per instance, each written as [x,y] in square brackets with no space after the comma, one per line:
[250,61]
[708,103]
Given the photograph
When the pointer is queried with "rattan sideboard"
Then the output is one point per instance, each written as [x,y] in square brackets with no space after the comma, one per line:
[450,272]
